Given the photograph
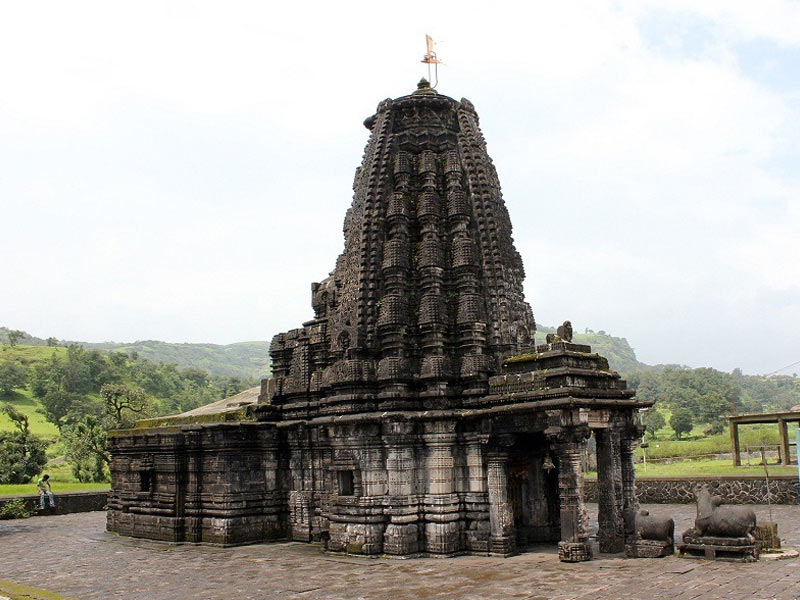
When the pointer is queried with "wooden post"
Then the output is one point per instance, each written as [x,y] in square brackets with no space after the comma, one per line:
[784,449]
[737,461]
[797,433]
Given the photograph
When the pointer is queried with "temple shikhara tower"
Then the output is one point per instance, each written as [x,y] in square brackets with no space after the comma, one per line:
[412,414]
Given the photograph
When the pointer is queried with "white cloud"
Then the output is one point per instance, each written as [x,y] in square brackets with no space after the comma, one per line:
[181,171]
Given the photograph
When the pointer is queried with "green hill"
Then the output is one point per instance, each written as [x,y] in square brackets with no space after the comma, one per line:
[247,360]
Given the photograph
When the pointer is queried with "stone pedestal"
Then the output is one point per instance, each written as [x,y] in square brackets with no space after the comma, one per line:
[649,549]
[739,549]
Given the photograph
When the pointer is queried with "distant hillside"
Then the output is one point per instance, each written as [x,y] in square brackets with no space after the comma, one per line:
[250,360]
[617,350]
[25,339]
[246,360]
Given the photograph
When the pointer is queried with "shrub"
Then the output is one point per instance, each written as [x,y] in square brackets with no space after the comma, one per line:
[22,454]
[14,509]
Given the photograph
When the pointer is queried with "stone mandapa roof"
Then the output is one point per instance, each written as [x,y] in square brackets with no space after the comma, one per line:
[234,408]
[233,403]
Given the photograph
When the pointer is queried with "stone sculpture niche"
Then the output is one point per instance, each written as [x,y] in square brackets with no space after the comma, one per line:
[648,536]
[721,532]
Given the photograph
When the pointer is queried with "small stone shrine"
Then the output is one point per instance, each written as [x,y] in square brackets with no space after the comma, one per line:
[413,414]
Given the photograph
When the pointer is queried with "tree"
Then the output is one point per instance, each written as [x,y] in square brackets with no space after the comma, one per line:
[681,421]
[59,404]
[653,420]
[124,403]
[14,335]
[712,406]
[51,341]
[12,375]
[22,454]
[86,448]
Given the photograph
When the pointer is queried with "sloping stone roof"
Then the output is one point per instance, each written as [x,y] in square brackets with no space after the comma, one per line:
[230,404]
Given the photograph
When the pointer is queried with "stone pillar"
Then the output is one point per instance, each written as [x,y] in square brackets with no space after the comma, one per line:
[476,470]
[611,533]
[569,447]
[401,537]
[443,524]
[193,505]
[476,501]
[628,443]
[502,539]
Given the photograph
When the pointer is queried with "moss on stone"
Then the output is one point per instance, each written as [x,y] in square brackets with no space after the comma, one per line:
[355,548]
[16,591]
[522,357]
[222,417]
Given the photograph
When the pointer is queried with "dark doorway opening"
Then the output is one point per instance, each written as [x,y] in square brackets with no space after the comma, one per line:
[533,492]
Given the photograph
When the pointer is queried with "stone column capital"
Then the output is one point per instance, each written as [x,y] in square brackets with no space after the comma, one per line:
[568,438]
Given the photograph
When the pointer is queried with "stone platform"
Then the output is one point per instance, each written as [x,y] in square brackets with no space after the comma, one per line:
[72,555]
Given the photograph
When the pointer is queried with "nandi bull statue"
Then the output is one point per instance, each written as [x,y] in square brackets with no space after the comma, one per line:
[648,536]
[721,531]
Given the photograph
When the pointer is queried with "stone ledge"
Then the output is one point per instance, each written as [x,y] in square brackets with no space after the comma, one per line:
[66,503]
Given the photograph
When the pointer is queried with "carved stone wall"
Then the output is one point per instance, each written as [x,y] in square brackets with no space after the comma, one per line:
[735,490]
[219,484]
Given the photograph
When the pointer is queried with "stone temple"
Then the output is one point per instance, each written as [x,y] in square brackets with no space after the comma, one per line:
[413,414]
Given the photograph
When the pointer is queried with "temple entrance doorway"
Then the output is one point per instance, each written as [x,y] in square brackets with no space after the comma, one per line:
[533,492]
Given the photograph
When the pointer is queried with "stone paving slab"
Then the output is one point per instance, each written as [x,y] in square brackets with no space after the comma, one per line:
[74,556]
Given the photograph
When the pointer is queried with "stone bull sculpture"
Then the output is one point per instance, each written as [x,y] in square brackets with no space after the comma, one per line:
[714,519]
[642,525]
[648,536]
[721,532]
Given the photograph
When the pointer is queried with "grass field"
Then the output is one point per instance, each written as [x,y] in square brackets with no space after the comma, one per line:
[29,355]
[701,467]
[696,445]
[25,403]
[61,480]
[708,467]
[23,400]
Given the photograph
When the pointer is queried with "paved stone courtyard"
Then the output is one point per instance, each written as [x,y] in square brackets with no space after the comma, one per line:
[74,556]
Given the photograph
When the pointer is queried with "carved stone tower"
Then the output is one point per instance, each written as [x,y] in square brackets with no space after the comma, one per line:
[413,414]
[426,299]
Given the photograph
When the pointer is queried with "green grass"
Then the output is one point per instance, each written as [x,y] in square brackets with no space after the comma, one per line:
[696,445]
[23,400]
[15,591]
[690,468]
[29,355]
[708,467]
[61,480]
[25,403]
[27,489]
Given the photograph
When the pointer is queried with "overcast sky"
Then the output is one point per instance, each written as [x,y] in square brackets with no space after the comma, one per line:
[181,170]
